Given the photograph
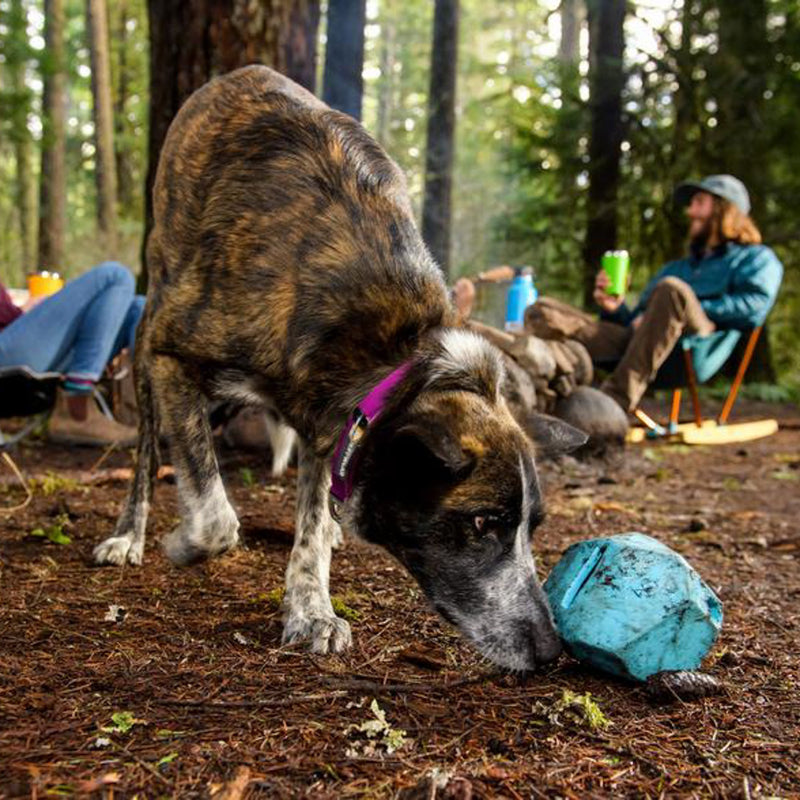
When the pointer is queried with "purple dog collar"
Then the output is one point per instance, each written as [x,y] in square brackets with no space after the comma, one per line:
[345,457]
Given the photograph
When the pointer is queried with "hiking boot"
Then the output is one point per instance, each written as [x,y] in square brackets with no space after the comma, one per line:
[95,430]
[123,391]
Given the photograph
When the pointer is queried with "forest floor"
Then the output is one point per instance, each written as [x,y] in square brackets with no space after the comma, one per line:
[186,692]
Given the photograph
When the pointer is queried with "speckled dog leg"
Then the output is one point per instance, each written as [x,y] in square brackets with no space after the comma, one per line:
[208,524]
[308,613]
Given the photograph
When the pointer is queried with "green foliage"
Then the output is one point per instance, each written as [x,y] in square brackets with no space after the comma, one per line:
[273,598]
[54,533]
[53,483]
[123,722]
[581,708]
[341,609]
[378,727]
[248,479]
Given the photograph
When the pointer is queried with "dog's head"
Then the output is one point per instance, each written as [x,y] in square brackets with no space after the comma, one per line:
[449,486]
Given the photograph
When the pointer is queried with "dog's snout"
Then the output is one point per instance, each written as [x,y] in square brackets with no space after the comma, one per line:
[546,638]
[548,647]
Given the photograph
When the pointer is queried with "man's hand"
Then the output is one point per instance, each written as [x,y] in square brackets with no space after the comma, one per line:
[608,302]
[31,302]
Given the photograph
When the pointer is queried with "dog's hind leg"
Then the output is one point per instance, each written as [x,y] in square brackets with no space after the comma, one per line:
[127,543]
[208,522]
[282,439]
[308,613]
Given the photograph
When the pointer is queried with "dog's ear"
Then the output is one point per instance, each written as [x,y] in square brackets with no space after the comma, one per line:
[432,443]
[553,436]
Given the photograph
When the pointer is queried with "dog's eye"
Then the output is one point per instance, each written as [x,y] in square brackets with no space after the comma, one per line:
[485,524]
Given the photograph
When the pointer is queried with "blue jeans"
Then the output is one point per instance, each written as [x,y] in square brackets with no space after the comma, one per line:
[78,330]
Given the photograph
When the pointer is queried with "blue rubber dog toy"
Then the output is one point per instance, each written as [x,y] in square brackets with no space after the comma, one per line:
[631,606]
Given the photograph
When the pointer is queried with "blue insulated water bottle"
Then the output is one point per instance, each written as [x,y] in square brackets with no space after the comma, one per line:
[521,294]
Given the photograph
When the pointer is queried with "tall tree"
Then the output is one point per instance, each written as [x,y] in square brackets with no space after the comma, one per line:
[17,51]
[436,209]
[739,81]
[125,189]
[606,81]
[53,180]
[738,78]
[571,13]
[105,166]
[300,44]
[386,87]
[192,41]
[342,82]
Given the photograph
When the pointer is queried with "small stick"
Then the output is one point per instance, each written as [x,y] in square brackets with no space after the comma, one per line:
[286,701]
[15,469]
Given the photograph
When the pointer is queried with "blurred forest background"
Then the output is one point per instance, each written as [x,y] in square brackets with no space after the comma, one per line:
[537,132]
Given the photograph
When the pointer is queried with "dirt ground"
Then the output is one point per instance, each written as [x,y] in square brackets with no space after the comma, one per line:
[186,692]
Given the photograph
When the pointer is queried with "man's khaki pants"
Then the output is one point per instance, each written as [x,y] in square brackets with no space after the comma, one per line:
[672,310]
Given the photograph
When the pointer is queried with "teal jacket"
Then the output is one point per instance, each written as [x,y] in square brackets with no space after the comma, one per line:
[737,286]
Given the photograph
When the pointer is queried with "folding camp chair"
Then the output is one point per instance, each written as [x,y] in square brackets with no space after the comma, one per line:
[31,395]
[28,394]
[702,357]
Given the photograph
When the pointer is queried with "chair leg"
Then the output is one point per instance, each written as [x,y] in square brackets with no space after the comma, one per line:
[687,359]
[737,381]
[674,413]
[649,423]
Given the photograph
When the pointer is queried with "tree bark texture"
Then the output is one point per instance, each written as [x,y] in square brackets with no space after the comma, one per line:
[300,44]
[192,41]
[571,14]
[17,52]
[606,81]
[105,166]
[386,87]
[53,181]
[736,144]
[738,77]
[125,184]
[440,149]
[342,82]
[685,135]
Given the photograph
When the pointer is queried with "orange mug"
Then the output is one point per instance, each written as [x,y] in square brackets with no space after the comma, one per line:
[42,284]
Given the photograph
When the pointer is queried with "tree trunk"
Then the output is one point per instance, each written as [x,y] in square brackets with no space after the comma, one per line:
[436,210]
[606,81]
[300,48]
[569,46]
[388,59]
[125,188]
[105,167]
[17,54]
[739,80]
[684,154]
[53,181]
[191,41]
[569,128]
[342,82]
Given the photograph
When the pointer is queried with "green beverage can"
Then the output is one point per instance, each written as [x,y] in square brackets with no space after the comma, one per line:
[616,263]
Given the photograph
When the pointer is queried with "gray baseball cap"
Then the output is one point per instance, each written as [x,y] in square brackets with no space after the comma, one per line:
[725,186]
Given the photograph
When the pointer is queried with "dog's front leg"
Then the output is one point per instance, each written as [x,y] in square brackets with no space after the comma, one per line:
[308,613]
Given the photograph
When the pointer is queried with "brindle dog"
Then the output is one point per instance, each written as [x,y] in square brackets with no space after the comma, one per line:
[286,270]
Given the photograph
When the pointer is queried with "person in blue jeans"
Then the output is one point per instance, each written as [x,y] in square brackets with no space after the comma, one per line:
[76,332]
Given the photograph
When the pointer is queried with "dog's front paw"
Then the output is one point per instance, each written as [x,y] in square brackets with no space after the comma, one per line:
[324,634]
[118,550]
[186,545]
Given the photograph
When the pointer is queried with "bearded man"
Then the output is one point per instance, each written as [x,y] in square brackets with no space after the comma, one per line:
[729,280]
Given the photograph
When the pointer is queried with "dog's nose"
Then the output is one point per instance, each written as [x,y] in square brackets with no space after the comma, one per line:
[548,647]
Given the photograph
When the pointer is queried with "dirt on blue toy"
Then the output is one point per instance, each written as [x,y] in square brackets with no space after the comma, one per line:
[631,606]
